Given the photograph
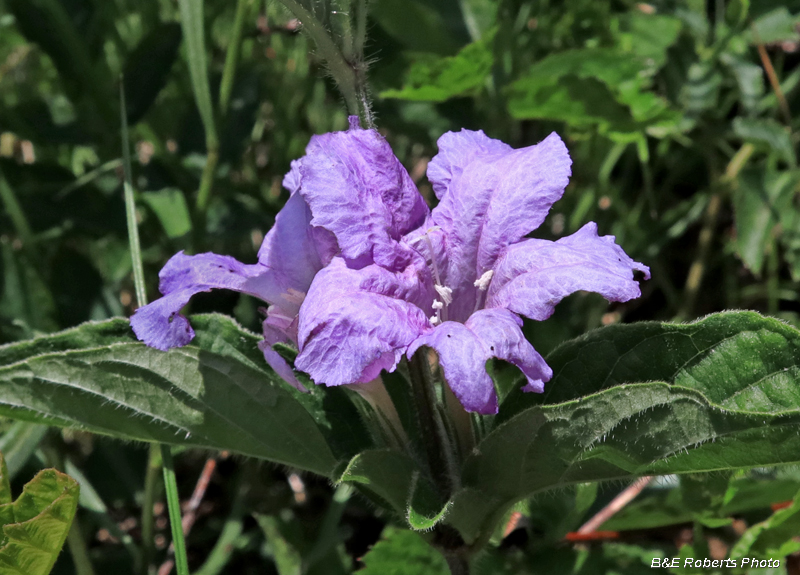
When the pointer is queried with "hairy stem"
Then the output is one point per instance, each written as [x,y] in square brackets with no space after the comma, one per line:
[348,74]
[439,451]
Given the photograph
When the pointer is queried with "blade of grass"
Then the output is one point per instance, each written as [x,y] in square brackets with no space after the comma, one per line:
[232,55]
[174,505]
[17,215]
[151,487]
[171,486]
[193,31]
[130,205]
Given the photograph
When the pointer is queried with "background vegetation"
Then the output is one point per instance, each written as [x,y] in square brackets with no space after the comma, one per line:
[681,118]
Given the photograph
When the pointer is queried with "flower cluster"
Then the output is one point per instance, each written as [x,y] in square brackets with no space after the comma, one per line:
[358,272]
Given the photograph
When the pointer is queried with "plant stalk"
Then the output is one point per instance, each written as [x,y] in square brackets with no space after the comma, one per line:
[232,56]
[349,75]
[151,487]
[174,505]
[439,451]
[130,205]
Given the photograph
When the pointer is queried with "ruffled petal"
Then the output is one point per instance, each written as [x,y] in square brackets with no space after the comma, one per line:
[354,323]
[275,329]
[359,190]
[456,151]
[462,356]
[534,275]
[500,330]
[491,197]
[293,251]
[159,324]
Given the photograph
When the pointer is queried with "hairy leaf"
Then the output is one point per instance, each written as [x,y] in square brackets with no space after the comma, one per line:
[35,526]
[216,393]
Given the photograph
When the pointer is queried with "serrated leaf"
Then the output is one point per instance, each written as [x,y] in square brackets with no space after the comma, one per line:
[35,526]
[401,552]
[723,395]
[216,393]
[436,79]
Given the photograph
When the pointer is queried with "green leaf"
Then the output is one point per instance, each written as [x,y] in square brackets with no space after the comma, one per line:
[761,200]
[723,394]
[147,68]
[194,34]
[774,537]
[170,207]
[767,133]
[19,443]
[648,36]
[401,552]
[603,86]
[415,24]
[775,26]
[436,79]
[216,393]
[35,526]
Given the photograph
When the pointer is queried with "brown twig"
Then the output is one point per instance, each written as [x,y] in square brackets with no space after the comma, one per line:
[616,504]
[773,80]
[190,514]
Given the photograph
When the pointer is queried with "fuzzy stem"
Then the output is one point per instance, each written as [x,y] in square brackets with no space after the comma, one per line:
[349,75]
[439,450]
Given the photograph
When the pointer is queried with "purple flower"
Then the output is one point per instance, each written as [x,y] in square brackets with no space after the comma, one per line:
[375,275]
[292,253]
[458,279]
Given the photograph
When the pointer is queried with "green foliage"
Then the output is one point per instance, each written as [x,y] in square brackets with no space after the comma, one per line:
[35,526]
[436,79]
[401,552]
[208,395]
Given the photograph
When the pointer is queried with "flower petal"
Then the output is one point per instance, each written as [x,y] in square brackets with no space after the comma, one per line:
[500,330]
[354,323]
[159,324]
[492,201]
[359,190]
[457,150]
[534,275]
[293,251]
[462,356]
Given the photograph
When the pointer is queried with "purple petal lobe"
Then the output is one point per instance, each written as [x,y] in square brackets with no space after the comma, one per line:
[357,189]
[354,323]
[534,275]
[159,324]
[499,329]
[456,151]
[273,335]
[492,196]
[293,251]
[463,356]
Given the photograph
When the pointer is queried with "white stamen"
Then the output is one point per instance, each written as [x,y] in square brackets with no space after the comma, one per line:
[435,320]
[437,304]
[445,293]
[482,283]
